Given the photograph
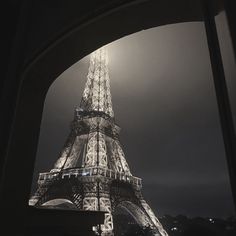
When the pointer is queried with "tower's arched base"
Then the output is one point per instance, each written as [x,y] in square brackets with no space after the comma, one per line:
[98,193]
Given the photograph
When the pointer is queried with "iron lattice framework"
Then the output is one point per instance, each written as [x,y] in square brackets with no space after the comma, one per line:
[91,172]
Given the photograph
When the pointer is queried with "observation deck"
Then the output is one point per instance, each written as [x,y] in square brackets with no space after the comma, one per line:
[89,172]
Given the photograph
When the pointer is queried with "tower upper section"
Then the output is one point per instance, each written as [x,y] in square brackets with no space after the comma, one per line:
[97,95]
[94,138]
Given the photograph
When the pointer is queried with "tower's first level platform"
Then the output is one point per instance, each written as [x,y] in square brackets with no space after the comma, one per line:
[90,172]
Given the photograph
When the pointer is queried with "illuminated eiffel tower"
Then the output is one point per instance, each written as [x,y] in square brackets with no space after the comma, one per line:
[91,172]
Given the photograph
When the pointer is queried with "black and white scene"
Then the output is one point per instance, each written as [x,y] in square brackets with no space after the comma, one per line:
[133,130]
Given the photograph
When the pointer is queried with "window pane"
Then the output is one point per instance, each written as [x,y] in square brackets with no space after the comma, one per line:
[164,100]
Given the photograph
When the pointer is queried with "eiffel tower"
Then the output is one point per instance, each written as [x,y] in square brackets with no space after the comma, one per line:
[91,172]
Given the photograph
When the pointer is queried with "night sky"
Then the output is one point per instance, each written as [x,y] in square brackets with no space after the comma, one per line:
[164,100]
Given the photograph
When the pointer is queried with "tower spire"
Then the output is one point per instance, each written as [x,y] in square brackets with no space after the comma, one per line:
[97,95]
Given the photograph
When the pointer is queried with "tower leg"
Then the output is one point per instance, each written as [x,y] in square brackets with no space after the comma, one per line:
[153,218]
[96,198]
[107,227]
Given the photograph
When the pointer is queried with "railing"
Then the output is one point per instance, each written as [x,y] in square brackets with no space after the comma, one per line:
[92,171]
